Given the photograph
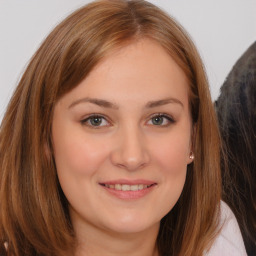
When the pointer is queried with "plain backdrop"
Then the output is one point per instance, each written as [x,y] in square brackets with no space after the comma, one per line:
[221,29]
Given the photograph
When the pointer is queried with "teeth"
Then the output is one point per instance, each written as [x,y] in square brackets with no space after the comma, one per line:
[118,187]
[134,187]
[126,187]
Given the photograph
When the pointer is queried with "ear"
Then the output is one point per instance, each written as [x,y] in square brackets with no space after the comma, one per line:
[191,155]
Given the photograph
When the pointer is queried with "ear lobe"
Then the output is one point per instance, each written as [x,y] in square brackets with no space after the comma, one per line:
[191,157]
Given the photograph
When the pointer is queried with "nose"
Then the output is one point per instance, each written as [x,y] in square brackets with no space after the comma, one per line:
[130,151]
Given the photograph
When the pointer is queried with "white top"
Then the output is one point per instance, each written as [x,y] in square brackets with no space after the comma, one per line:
[229,242]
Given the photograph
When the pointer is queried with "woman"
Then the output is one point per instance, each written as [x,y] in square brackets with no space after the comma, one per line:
[109,145]
[237,118]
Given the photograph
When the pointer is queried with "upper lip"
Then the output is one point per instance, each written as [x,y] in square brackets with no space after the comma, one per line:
[128,182]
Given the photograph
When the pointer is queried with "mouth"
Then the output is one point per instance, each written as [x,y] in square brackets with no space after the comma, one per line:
[128,189]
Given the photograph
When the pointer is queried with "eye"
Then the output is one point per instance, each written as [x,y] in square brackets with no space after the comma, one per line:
[161,120]
[95,121]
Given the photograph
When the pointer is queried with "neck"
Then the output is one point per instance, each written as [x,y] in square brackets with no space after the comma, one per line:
[93,241]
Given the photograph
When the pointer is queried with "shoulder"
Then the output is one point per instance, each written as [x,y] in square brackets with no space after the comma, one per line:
[229,242]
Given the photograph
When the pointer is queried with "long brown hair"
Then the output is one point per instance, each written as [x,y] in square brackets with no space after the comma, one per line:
[34,217]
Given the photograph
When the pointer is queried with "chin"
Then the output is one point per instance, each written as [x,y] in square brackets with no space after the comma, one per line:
[131,224]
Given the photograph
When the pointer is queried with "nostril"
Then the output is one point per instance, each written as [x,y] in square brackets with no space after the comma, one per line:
[130,152]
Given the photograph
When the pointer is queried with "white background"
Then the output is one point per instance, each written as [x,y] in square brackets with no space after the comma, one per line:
[221,29]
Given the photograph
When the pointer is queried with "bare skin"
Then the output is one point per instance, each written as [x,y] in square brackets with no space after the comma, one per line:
[122,141]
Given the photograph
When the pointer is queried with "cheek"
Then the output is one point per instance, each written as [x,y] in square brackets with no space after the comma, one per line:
[171,157]
[173,154]
[173,166]
[76,153]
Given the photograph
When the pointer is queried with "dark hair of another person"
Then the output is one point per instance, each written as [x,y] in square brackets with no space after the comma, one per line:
[236,109]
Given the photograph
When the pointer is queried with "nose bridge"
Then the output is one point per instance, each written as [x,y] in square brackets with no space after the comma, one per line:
[131,151]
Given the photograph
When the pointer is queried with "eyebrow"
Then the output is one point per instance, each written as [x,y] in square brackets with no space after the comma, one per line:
[107,104]
[99,102]
[157,103]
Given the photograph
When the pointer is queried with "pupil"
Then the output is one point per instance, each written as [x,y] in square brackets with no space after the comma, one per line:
[157,120]
[96,121]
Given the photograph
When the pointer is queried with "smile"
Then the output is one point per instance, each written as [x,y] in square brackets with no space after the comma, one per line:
[129,190]
[127,187]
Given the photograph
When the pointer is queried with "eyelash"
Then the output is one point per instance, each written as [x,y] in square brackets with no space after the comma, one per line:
[86,121]
[169,118]
[91,117]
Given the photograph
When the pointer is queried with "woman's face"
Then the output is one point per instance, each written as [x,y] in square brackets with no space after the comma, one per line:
[122,140]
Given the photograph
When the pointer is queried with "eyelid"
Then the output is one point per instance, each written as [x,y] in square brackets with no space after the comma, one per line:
[169,117]
[84,120]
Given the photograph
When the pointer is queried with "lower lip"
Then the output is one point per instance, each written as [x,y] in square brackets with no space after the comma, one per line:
[129,194]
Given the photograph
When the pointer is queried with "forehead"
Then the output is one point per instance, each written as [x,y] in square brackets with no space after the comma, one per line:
[141,68]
